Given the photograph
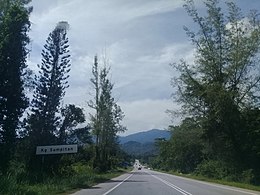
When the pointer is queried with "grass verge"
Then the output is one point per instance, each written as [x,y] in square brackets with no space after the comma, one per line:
[57,185]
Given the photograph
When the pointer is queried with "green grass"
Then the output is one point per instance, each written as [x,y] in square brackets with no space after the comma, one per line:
[223,182]
[57,185]
[97,178]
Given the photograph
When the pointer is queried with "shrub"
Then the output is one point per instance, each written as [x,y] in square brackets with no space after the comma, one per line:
[212,169]
[247,176]
[7,184]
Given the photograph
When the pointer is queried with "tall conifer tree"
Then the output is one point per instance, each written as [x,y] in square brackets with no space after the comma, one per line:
[51,83]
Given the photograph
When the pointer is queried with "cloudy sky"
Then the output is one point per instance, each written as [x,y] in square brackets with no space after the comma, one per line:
[139,37]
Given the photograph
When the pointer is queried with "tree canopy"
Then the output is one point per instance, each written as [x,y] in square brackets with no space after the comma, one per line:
[106,121]
[219,89]
[14,27]
[43,123]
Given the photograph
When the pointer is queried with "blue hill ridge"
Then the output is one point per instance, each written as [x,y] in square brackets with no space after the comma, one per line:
[145,136]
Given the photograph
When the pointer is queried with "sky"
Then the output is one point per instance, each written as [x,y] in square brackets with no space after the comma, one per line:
[139,38]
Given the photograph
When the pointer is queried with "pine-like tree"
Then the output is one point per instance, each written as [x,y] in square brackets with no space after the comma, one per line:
[14,26]
[51,83]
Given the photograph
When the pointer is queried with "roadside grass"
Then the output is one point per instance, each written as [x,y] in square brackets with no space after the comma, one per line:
[57,185]
[216,181]
[98,178]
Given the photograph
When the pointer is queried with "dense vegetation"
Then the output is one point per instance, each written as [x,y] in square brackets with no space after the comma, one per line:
[44,120]
[14,25]
[219,94]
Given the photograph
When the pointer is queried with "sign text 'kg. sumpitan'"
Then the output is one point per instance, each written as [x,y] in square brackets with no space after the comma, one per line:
[56,149]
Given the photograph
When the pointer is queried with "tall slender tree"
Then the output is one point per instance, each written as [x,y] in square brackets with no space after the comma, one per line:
[14,26]
[51,83]
[95,119]
[106,122]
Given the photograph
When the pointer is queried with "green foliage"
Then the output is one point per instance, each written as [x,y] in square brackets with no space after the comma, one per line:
[251,144]
[83,157]
[72,116]
[247,176]
[16,174]
[183,152]
[213,169]
[81,176]
[106,121]
[224,77]
[220,91]
[79,168]
[48,123]
[14,26]
[43,121]
[7,184]
[80,136]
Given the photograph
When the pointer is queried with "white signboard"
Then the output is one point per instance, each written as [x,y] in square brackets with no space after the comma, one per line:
[56,149]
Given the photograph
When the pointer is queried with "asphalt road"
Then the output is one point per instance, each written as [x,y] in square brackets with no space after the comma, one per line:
[147,182]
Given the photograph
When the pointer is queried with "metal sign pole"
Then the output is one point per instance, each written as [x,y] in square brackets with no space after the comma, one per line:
[42,163]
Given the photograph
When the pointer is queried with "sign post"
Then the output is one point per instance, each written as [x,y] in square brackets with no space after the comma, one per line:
[55,149]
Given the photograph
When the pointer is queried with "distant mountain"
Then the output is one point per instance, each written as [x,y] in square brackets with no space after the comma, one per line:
[137,149]
[143,143]
[146,136]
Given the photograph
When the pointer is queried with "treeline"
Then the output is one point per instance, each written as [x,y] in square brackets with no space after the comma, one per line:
[219,94]
[44,120]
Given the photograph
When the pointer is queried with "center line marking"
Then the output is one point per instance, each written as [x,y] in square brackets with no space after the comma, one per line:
[117,185]
[171,185]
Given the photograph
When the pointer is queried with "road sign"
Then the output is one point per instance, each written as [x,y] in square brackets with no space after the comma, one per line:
[56,149]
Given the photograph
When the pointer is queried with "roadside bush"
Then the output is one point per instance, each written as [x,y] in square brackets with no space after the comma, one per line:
[219,170]
[18,171]
[247,176]
[212,169]
[8,184]
[81,168]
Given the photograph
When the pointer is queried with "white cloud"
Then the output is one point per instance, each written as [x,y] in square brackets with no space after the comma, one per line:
[141,37]
[137,37]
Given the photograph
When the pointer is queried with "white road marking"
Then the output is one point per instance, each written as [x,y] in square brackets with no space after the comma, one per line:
[118,185]
[171,185]
[228,188]
[214,185]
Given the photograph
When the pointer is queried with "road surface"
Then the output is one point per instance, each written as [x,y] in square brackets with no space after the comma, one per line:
[148,182]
